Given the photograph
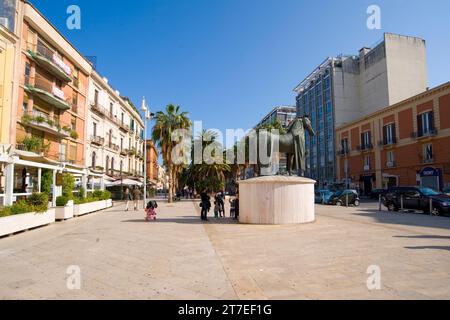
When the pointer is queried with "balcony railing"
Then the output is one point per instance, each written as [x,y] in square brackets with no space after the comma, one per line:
[391,164]
[365,147]
[51,62]
[99,109]
[124,152]
[97,140]
[42,121]
[343,152]
[47,91]
[424,134]
[428,161]
[114,147]
[387,142]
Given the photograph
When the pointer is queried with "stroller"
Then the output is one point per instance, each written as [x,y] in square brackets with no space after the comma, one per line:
[150,210]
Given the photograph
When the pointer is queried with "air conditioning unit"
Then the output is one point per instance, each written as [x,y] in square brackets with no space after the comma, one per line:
[366,168]
[390,164]
[4,22]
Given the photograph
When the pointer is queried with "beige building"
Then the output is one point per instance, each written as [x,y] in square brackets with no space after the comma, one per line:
[347,87]
[115,133]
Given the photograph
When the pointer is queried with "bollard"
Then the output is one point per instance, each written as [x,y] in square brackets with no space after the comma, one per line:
[346,200]
[431,206]
[401,203]
[379,204]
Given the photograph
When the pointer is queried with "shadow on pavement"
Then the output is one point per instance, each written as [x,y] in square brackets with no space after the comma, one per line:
[425,237]
[429,248]
[185,220]
[408,219]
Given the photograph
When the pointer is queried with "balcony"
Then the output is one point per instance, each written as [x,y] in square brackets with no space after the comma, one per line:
[46,91]
[132,152]
[391,164]
[424,134]
[97,108]
[41,121]
[96,140]
[388,143]
[124,152]
[97,169]
[365,147]
[123,126]
[51,62]
[114,147]
[343,152]
[428,161]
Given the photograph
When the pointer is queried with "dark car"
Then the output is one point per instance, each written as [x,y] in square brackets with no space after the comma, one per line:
[345,197]
[376,193]
[416,198]
[323,196]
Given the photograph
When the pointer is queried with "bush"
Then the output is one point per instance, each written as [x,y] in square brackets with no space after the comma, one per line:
[106,195]
[62,201]
[46,181]
[68,186]
[39,201]
[97,194]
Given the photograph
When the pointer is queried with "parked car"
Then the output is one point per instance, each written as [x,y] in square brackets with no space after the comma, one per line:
[447,191]
[376,193]
[416,198]
[323,196]
[340,198]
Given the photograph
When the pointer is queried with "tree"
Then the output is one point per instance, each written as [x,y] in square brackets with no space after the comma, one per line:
[166,123]
[208,176]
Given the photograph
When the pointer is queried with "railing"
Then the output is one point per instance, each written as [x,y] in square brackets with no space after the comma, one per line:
[41,119]
[365,147]
[424,134]
[391,164]
[95,106]
[387,142]
[42,83]
[97,140]
[114,146]
[343,152]
[428,161]
[52,56]
[124,152]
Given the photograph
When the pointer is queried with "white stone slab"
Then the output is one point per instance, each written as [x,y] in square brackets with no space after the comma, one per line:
[276,200]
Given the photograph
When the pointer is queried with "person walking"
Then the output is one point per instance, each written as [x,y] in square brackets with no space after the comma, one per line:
[127,198]
[136,197]
[205,205]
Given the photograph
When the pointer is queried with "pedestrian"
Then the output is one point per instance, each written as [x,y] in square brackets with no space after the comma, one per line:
[136,197]
[236,214]
[150,211]
[217,209]
[127,198]
[220,204]
[205,205]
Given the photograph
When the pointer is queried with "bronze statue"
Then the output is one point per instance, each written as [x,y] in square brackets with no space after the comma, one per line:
[293,144]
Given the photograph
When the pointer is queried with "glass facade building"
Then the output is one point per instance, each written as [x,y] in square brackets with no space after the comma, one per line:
[316,100]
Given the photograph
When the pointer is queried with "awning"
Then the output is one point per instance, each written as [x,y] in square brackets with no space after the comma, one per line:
[124,182]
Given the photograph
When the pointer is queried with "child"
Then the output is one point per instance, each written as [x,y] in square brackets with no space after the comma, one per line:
[150,213]
[216,209]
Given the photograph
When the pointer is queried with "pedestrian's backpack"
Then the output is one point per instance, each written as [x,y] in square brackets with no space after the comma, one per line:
[152,205]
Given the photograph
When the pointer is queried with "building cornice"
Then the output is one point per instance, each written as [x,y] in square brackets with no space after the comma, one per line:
[393,107]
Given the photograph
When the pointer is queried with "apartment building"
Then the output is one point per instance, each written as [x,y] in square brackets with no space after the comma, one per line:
[405,144]
[347,87]
[115,134]
[282,114]
[152,162]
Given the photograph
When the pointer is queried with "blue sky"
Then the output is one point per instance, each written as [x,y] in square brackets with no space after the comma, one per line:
[228,62]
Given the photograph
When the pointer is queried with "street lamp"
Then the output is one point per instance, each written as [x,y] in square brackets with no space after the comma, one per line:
[147,116]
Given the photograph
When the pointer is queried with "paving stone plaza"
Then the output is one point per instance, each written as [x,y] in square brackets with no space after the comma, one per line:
[117,255]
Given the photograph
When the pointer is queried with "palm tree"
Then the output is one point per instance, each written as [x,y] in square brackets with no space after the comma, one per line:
[165,124]
[206,176]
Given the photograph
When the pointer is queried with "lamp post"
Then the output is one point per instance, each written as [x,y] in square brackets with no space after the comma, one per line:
[147,116]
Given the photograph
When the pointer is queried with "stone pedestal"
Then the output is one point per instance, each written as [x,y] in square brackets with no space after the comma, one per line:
[276,200]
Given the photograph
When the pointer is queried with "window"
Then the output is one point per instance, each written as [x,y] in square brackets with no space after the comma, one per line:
[27,73]
[344,145]
[94,156]
[366,163]
[111,109]
[390,156]
[73,123]
[425,123]
[63,151]
[112,165]
[107,164]
[94,129]
[121,143]
[366,140]
[389,136]
[75,102]
[428,153]
[96,94]
[73,152]
[76,80]
[25,104]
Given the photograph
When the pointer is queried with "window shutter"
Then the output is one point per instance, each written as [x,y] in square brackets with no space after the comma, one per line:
[370,138]
[394,133]
[385,133]
[432,127]
[419,125]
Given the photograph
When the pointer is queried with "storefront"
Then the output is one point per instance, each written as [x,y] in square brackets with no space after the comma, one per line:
[431,178]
